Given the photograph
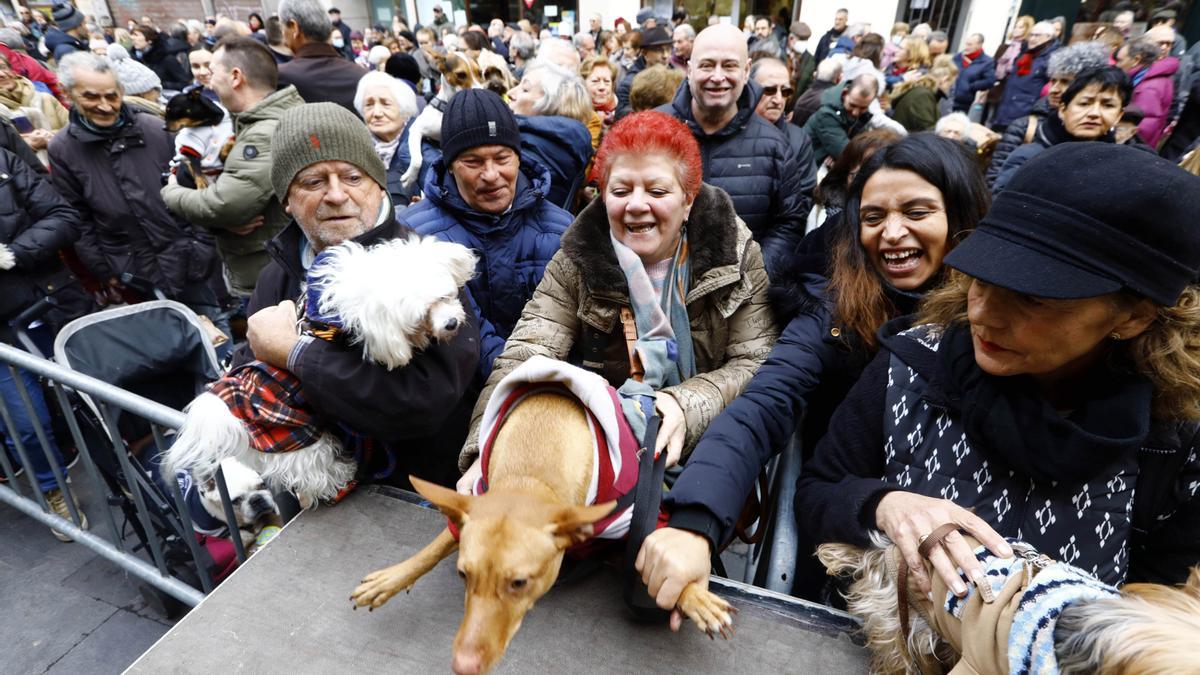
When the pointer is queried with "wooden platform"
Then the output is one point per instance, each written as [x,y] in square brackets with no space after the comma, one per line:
[288,611]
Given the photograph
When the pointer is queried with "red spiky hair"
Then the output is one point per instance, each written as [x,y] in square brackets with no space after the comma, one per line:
[651,133]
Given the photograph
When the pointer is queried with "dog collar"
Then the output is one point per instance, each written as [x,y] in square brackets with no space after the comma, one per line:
[438,104]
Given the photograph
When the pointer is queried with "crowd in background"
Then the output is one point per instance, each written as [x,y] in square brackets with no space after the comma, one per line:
[788,198]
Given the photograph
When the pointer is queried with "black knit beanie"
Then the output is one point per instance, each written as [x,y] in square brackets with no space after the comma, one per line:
[403,67]
[477,117]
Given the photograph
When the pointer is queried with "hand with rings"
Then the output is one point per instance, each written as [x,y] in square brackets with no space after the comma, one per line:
[908,519]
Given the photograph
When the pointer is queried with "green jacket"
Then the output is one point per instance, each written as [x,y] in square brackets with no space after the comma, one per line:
[831,128]
[242,192]
[916,109]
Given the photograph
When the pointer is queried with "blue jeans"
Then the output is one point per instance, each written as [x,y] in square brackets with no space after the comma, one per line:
[10,391]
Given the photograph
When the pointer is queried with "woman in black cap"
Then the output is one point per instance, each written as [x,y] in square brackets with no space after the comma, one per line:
[1051,391]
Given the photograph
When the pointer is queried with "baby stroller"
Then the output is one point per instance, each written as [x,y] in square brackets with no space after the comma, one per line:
[158,350]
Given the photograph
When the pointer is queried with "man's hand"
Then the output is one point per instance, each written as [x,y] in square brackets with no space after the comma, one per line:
[466,484]
[243,230]
[271,333]
[38,139]
[669,560]
[172,179]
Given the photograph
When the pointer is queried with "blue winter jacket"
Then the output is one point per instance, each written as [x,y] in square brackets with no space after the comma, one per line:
[513,247]
[977,77]
[750,159]
[564,146]
[1021,92]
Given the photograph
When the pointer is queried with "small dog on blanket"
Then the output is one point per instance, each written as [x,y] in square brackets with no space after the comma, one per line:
[1046,617]
[392,299]
[543,466]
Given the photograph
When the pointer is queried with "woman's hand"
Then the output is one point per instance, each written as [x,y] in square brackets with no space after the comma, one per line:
[906,517]
[466,484]
[673,430]
[669,560]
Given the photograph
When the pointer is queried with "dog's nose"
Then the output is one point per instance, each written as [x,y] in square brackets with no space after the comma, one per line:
[259,503]
[466,663]
[452,324]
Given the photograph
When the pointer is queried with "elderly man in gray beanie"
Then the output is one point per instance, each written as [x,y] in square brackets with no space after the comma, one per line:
[331,182]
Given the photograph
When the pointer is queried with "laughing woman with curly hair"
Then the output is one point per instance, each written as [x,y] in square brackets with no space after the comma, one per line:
[656,236]
[1051,391]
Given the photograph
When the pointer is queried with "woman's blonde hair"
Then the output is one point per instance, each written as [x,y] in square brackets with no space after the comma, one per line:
[1027,21]
[918,52]
[1167,353]
[1191,163]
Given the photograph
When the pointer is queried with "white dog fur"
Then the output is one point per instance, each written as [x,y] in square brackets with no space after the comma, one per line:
[429,123]
[394,299]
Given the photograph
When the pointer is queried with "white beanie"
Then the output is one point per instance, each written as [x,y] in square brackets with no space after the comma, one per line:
[134,77]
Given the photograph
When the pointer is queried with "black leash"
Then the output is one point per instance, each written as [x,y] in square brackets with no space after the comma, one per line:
[647,499]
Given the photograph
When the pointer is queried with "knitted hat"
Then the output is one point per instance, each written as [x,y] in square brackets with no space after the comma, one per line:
[403,67]
[477,117]
[321,132]
[66,16]
[134,77]
[1087,219]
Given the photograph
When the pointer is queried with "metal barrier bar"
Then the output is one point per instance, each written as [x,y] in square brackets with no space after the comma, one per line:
[40,432]
[89,464]
[151,411]
[235,534]
[134,566]
[154,516]
[127,468]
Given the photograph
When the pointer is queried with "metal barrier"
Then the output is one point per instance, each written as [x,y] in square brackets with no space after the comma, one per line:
[151,509]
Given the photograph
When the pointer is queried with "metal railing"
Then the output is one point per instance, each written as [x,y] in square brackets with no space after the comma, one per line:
[160,518]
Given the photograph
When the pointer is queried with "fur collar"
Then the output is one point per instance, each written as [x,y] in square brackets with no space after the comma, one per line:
[712,241]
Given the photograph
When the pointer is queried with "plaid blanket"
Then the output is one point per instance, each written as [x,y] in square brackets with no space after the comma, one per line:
[269,403]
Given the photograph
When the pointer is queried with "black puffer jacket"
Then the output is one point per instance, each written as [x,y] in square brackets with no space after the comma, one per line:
[35,222]
[750,159]
[113,182]
[1014,137]
[625,85]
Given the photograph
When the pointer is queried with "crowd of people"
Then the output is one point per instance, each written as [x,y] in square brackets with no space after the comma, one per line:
[967,280]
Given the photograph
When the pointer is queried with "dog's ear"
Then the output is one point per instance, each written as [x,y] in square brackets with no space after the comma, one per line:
[452,504]
[573,524]
[461,261]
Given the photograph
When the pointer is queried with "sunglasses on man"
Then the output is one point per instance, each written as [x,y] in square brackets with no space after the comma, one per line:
[776,89]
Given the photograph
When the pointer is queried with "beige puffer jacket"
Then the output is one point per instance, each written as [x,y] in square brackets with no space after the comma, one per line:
[574,314]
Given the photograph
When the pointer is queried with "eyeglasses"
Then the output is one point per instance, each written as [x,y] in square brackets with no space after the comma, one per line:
[778,89]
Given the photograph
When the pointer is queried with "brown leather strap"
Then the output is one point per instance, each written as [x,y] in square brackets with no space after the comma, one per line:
[1030,130]
[636,371]
[932,540]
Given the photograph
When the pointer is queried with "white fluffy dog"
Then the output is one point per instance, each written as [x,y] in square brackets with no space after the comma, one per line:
[392,299]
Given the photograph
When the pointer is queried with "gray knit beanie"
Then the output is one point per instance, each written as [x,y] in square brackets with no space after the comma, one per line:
[477,117]
[321,132]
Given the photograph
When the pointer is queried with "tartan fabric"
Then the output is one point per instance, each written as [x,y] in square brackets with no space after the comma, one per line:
[268,401]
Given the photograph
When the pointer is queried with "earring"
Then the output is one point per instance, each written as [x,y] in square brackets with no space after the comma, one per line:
[1115,335]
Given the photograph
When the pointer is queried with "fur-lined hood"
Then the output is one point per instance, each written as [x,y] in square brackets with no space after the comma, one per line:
[717,241]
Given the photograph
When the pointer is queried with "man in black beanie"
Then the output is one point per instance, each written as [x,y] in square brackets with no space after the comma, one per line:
[484,195]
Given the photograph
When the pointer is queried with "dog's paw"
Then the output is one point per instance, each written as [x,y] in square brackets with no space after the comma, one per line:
[378,587]
[709,611]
